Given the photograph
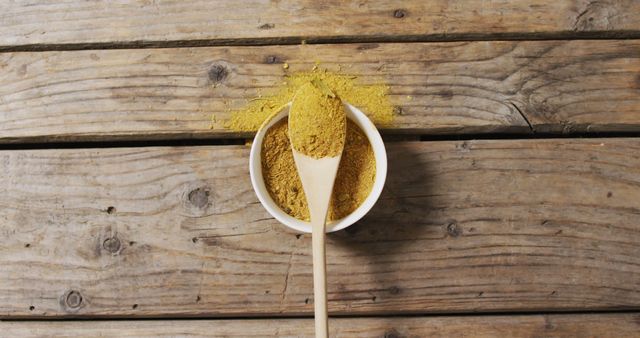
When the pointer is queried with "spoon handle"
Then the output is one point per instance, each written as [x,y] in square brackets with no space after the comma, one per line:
[318,177]
[320,279]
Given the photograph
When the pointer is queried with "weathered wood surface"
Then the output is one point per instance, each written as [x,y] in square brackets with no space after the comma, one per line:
[462,87]
[153,22]
[602,325]
[523,225]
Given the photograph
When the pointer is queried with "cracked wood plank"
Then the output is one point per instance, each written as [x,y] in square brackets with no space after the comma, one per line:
[80,24]
[482,226]
[555,325]
[440,88]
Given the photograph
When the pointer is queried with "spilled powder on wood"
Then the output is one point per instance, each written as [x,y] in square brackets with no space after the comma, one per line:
[371,99]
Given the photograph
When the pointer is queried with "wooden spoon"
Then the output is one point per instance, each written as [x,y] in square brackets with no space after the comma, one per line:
[318,176]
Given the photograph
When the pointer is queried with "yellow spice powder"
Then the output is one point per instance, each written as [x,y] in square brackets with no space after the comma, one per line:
[317,119]
[356,172]
[371,99]
[354,181]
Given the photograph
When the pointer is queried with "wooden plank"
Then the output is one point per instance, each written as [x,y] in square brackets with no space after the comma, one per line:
[526,225]
[463,87]
[592,325]
[152,22]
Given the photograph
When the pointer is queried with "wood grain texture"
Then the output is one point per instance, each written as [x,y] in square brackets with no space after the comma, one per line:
[600,325]
[462,87]
[527,225]
[144,22]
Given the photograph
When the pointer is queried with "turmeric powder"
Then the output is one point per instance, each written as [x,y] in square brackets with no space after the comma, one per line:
[372,99]
[354,181]
[357,169]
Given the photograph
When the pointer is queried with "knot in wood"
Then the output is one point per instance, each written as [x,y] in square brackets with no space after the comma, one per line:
[453,229]
[399,13]
[199,197]
[391,334]
[267,26]
[73,299]
[446,94]
[394,290]
[218,73]
[111,244]
[271,59]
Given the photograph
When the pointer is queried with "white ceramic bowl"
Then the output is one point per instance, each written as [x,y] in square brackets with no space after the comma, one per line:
[255,168]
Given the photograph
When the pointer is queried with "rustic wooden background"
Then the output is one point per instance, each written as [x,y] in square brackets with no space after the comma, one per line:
[512,204]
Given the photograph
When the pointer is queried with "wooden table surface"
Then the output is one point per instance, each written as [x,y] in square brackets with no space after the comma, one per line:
[512,203]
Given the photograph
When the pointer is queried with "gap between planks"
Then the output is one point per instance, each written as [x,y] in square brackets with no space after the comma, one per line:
[388,138]
[599,325]
[303,316]
[247,42]
[152,23]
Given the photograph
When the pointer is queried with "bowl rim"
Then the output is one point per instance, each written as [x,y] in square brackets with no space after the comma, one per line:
[257,180]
